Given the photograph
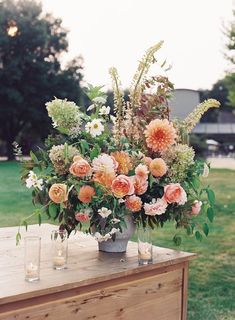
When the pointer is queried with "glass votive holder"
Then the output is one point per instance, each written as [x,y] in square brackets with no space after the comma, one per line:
[59,249]
[32,251]
[145,247]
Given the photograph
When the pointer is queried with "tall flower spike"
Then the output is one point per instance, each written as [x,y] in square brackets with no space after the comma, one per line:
[137,87]
[119,104]
[194,117]
[143,68]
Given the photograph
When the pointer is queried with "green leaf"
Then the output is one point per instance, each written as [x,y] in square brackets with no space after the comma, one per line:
[210,214]
[198,235]
[177,240]
[151,180]
[189,230]
[66,152]
[53,210]
[205,228]
[18,238]
[211,196]
[33,157]
[25,224]
[39,219]
[95,152]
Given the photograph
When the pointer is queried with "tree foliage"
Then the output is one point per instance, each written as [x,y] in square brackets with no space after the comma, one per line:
[31,71]
[230,55]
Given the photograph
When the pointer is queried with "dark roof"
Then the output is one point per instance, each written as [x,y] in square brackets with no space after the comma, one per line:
[214,128]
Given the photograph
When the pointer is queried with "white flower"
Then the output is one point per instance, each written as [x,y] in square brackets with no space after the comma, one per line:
[104,111]
[121,201]
[103,163]
[156,207]
[104,212]
[33,181]
[206,171]
[115,220]
[54,124]
[114,230]
[113,119]
[101,238]
[91,107]
[99,100]
[95,127]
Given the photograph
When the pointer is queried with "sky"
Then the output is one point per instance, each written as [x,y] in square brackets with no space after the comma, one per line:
[117,33]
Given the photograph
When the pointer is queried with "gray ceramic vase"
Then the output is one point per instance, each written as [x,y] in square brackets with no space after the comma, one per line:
[121,240]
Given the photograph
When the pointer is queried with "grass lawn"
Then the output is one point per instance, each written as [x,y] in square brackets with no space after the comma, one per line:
[212,274]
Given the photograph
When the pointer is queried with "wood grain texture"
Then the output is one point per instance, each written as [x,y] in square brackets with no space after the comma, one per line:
[89,273]
[140,299]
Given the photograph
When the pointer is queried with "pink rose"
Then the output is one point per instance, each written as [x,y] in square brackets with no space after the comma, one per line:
[82,217]
[174,193]
[196,208]
[156,207]
[122,186]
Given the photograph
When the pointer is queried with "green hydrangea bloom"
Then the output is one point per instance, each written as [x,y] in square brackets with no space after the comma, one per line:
[65,115]
[178,159]
[61,157]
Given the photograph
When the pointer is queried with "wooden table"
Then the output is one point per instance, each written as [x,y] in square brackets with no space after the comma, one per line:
[96,285]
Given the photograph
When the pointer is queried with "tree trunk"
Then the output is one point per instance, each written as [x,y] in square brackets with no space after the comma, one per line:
[10,153]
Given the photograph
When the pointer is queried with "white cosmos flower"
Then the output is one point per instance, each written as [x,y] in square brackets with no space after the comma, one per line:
[99,100]
[33,181]
[104,111]
[104,212]
[95,127]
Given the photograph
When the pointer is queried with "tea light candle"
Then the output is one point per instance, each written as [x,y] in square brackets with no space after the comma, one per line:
[145,255]
[59,260]
[31,270]
[145,251]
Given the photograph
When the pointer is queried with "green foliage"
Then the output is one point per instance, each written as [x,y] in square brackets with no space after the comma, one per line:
[30,72]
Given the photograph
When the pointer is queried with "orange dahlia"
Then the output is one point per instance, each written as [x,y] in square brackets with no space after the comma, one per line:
[160,134]
[158,167]
[124,161]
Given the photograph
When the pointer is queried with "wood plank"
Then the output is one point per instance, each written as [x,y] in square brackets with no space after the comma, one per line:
[141,299]
[185,290]
[86,265]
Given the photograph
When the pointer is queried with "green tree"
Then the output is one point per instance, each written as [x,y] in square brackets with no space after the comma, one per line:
[230,55]
[219,92]
[30,70]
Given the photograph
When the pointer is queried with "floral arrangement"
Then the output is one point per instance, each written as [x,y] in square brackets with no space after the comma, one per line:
[98,167]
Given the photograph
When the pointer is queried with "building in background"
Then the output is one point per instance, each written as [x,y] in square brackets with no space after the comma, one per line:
[219,135]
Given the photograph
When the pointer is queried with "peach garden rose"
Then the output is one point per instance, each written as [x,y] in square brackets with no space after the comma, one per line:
[80,168]
[122,186]
[58,192]
[174,193]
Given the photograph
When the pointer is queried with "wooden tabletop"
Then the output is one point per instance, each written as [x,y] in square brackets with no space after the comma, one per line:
[86,265]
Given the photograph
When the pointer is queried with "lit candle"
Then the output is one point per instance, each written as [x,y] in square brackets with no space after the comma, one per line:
[59,260]
[145,251]
[31,270]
